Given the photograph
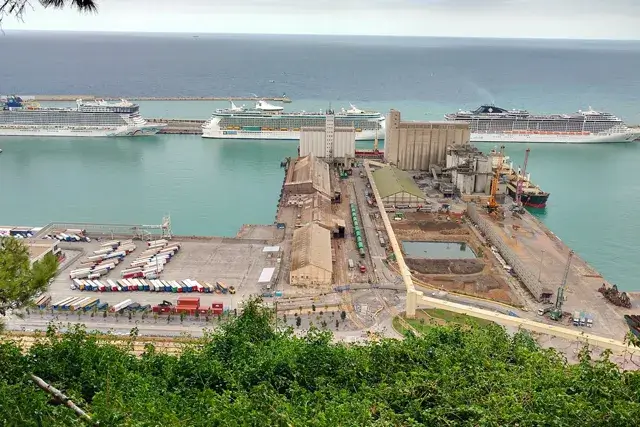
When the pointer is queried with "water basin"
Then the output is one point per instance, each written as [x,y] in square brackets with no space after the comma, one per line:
[438,250]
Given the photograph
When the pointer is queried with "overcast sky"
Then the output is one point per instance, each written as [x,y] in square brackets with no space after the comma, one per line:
[590,19]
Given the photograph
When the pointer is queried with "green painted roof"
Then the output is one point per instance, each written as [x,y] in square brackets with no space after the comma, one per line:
[391,180]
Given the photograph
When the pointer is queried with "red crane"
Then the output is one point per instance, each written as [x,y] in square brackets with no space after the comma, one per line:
[521,180]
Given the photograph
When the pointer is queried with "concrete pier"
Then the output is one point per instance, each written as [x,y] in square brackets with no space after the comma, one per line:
[180,127]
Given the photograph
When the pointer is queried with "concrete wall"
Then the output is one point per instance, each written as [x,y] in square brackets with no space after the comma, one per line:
[313,140]
[418,145]
[310,275]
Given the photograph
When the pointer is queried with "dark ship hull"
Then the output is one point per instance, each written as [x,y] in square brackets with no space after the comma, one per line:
[538,200]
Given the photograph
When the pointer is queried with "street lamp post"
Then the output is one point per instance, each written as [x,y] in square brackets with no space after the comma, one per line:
[540,269]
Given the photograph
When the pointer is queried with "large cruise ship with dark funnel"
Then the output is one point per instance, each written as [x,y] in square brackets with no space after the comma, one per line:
[489,123]
[96,118]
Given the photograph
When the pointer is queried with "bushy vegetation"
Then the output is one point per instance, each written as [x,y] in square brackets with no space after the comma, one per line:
[19,280]
[246,373]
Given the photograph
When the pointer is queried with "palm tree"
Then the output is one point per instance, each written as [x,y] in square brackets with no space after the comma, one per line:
[16,8]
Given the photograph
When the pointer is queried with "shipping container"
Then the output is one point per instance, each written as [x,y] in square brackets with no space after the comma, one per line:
[222,287]
[133,275]
[121,305]
[43,301]
[157,242]
[56,305]
[131,307]
[79,303]
[112,285]
[67,305]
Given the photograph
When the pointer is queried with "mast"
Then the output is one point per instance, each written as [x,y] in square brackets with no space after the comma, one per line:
[521,179]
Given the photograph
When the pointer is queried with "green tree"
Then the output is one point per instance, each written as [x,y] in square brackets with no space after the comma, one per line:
[19,280]
[298,321]
[17,8]
[251,374]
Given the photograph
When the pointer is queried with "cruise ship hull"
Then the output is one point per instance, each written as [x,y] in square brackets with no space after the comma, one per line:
[217,133]
[123,131]
[568,139]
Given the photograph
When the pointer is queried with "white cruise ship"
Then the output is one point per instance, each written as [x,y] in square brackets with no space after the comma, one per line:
[492,124]
[266,121]
[97,118]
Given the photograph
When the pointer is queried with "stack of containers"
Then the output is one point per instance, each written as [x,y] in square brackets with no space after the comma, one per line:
[151,262]
[188,305]
[217,308]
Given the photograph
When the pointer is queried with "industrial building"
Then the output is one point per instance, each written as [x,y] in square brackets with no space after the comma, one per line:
[311,261]
[328,142]
[470,173]
[39,248]
[419,145]
[316,209]
[308,175]
[397,188]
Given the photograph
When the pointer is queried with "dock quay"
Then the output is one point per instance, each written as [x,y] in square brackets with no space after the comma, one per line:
[536,256]
[336,255]
[180,126]
[72,98]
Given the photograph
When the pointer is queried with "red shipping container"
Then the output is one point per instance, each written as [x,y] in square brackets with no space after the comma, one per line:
[188,300]
[217,311]
[217,305]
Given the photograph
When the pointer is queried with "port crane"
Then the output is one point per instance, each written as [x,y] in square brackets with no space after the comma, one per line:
[518,202]
[493,205]
[556,313]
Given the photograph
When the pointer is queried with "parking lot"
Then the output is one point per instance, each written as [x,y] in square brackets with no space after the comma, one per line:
[237,263]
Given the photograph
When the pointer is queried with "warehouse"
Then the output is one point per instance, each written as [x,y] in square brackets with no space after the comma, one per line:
[308,175]
[397,188]
[420,145]
[311,262]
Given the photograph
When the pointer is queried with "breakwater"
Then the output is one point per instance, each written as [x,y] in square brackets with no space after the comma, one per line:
[71,98]
[180,127]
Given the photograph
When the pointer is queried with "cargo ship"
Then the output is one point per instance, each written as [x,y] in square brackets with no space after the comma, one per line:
[267,121]
[530,194]
[489,123]
[88,119]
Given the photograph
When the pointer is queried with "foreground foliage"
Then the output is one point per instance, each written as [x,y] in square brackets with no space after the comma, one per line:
[248,374]
[17,8]
[19,280]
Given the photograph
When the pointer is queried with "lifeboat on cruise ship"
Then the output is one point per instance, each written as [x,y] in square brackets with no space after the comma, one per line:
[296,129]
[358,130]
[284,129]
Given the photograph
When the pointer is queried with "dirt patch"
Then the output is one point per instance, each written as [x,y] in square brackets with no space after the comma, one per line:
[427,226]
[481,286]
[445,266]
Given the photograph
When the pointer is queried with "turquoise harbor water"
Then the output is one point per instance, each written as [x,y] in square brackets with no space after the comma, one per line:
[212,187]
[438,250]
